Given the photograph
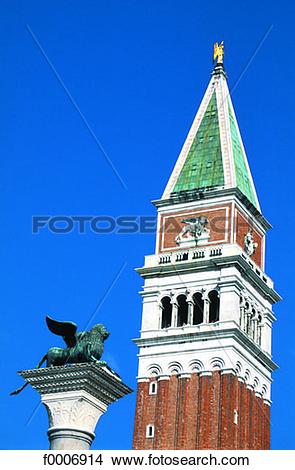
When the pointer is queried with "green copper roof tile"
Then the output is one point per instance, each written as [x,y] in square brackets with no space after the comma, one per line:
[242,173]
[203,166]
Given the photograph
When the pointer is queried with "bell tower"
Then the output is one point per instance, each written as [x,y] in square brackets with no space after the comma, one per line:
[205,364]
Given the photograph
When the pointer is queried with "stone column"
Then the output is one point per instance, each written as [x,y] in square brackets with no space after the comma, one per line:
[174,313]
[75,397]
[255,327]
[242,315]
[190,313]
[248,322]
[206,309]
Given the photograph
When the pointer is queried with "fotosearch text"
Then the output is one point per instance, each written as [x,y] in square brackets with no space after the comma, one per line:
[123,224]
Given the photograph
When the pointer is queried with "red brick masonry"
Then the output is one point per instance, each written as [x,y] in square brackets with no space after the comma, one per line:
[201,413]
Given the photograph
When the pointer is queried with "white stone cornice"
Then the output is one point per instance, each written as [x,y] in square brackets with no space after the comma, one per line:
[229,370]
[160,378]
[269,315]
[231,256]
[196,336]
[98,381]
[146,294]
[205,373]
[185,375]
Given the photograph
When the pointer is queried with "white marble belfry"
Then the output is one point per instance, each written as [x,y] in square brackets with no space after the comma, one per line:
[75,397]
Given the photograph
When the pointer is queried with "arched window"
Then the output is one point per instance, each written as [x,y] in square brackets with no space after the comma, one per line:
[182,314]
[153,388]
[198,311]
[214,306]
[166,312]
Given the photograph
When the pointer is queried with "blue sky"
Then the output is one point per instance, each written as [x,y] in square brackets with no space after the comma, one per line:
[137,71]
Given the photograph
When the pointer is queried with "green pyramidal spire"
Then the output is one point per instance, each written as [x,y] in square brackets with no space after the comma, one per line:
[203,165]
[213,155]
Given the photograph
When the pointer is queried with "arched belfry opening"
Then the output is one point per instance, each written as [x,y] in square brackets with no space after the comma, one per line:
[166,307]
[182,314]
[198,309]
[213,306]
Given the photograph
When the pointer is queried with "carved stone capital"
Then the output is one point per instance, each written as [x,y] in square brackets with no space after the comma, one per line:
[76,410]
[75,397]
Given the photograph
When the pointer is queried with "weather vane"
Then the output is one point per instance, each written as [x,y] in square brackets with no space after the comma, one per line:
[218,52]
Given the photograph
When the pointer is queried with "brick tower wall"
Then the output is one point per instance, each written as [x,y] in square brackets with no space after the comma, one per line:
[214,411]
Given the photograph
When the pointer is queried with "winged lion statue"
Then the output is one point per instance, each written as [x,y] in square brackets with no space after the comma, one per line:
[195,227]
[84,346]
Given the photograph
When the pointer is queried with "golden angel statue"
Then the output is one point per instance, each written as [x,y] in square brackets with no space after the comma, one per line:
[218,52]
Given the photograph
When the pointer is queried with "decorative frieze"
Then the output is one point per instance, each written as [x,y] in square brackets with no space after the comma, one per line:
[257,380]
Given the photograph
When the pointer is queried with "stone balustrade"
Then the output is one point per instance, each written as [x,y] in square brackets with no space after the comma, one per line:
[203,254]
